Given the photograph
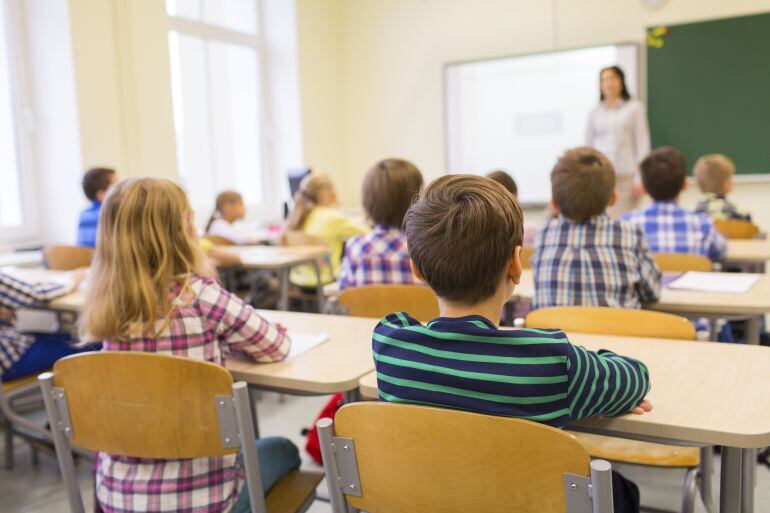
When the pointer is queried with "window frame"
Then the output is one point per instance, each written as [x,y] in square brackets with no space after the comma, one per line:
[270,205]
[23,123]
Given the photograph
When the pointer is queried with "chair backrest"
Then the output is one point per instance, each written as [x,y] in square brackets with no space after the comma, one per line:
[380,300]
[414,458]
[67,258]
[526,258]
[218,240]
[604,320]
[298,238]
[682,262]
[737,228]
[144,405]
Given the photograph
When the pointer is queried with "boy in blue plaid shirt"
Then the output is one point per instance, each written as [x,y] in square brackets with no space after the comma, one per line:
[583,257]
[669,228]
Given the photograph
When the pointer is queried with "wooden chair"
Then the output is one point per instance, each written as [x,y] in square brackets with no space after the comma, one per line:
[635,323]
[397,458]
[298,238]
[67,258]
[180,409]
[219,241]
[14,423]
[526,258]
[737,229]
[682,262]
[380,300]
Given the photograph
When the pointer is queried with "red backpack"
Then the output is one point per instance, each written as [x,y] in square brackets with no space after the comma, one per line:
[313,447]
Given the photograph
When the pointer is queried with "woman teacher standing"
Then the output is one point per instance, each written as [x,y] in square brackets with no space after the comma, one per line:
[618,128]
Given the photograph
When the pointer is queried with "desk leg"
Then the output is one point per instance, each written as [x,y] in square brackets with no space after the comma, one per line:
[283,300]
[747,480]
[730,480]
[753,324]
[253,395]
[351,396]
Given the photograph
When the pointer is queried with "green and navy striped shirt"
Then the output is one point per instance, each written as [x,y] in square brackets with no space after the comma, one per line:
[468,363]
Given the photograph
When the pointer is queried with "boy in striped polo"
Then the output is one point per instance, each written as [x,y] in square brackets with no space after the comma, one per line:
[464,236]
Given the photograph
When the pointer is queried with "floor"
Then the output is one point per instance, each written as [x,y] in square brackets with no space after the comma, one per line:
[38,488]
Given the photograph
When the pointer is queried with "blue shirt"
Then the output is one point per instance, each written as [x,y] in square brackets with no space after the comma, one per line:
[89,220]
[468,363]
[670,228]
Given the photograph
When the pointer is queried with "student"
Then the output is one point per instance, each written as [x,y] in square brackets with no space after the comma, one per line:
[315,216]
[714,174]
[584,257]
[668,227]
[96,183]
[380,256]
[507,181]
[464,236]
[155,297]
[229,209]
[28,354]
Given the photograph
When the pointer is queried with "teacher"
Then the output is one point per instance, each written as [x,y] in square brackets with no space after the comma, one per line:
[618,128]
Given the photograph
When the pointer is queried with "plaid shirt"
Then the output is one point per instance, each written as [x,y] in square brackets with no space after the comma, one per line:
[375,258]
[718,207]
[16,293]
[207,323]
[600,262]
[670,228]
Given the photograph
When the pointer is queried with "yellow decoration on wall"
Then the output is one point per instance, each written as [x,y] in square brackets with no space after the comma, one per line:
[656,36]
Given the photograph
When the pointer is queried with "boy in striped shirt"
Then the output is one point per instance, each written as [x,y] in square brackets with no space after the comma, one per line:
[464,236]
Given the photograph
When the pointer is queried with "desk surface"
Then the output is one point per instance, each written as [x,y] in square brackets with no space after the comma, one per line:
[748,251]
[21,258]
[703,393]
[331,367]
[755,302]
[276,257]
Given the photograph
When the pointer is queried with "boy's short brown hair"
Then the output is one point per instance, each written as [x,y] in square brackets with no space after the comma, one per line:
[504,179]
[664,171]
[95,180]
[388,189]
[582,182]
[712,171]
[461,233]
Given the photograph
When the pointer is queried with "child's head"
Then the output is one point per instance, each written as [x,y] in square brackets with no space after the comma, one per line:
[464,234]
[229,206]
[582,184]
[506,180]
[664,173]
[315,190]
[389,189]
[97,181]
[146,241]
[714,173]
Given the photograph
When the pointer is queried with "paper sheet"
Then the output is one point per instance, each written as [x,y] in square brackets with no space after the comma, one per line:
[724,283]
[304,342]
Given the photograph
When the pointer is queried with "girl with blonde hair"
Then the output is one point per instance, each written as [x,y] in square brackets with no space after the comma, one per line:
[229,208]
[149,292]
[314,216]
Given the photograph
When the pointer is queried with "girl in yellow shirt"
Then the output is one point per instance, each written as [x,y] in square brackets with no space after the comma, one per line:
[314,215]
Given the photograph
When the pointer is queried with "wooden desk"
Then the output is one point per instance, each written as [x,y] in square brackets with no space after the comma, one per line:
[703,394]
[751,254]
[754,304]
[21,258]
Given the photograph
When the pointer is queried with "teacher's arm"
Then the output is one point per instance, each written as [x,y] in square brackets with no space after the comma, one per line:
[590,130]
[642,132]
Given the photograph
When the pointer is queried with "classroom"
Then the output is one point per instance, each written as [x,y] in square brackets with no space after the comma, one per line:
[388,256]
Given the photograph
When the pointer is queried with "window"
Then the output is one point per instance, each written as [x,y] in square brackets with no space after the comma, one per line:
[218,94]
[17,219]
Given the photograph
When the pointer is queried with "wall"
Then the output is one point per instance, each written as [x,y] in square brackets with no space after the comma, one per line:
[380,65]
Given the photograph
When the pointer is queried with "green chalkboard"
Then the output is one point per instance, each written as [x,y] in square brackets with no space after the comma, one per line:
[708,88]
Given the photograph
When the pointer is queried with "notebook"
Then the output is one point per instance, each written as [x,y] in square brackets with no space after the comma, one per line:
[304,342]
[724,283]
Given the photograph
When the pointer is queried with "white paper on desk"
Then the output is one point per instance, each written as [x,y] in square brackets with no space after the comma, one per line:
[260,256]
[304,342]
[724,283]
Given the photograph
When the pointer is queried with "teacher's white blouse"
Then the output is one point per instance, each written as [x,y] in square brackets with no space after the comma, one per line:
[621,133]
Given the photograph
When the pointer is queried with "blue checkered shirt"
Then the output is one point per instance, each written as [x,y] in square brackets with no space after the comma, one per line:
[599,262]
[15,293]
[670,228]
[376,258]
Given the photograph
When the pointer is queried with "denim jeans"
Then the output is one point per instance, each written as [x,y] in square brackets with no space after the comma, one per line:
[277,457]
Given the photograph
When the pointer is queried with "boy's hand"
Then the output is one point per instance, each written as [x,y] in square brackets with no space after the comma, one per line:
[7,315]
[642,407]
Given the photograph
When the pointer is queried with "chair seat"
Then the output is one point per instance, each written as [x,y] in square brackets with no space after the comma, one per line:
[293,492]
[9,386]
[640,453]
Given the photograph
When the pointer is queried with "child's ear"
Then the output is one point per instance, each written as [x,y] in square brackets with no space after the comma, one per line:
[514,266]
[100,196]
[613,198]
[554,205]
[416,272]
[684,184]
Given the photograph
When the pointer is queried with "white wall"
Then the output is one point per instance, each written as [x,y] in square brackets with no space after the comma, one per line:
[372,74]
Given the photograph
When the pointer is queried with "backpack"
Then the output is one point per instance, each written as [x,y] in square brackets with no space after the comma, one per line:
[313,446]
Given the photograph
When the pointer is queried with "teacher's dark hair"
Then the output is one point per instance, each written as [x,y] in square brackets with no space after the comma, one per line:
[622,76]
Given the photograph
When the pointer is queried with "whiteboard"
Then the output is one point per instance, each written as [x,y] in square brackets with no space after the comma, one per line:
[520,113]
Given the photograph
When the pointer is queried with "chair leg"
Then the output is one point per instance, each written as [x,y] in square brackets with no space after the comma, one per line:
[689,491]
[705,476]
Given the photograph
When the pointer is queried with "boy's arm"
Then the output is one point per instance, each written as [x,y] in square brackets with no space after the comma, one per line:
[604,383]
[649,273]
